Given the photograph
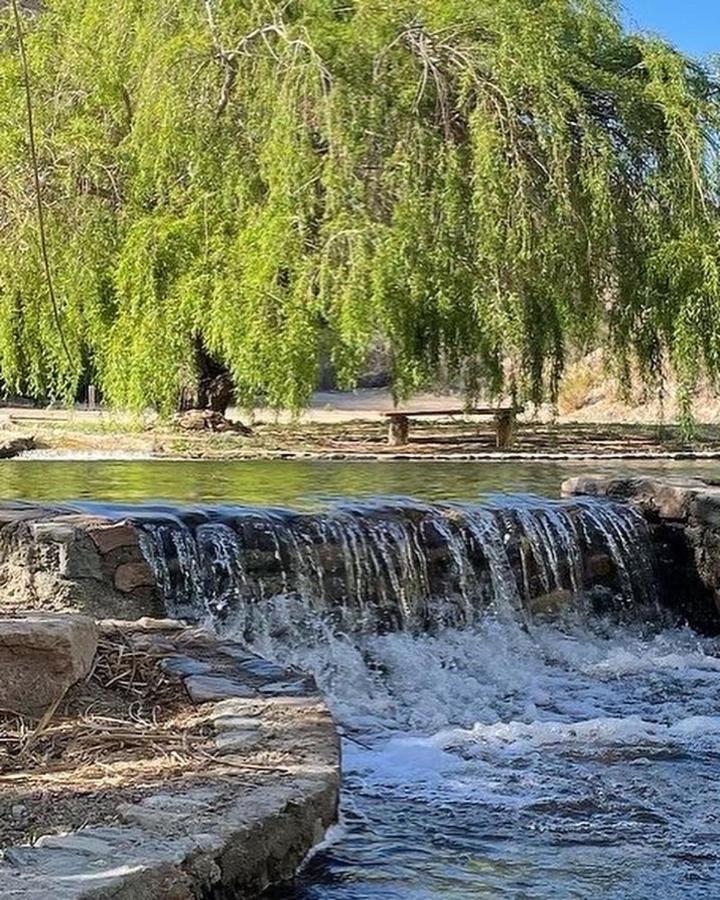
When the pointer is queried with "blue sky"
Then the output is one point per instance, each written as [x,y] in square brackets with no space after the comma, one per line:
[693,25]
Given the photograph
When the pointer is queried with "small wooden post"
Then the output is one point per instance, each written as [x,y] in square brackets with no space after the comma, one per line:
[92,400]
[504,427]
[398,430]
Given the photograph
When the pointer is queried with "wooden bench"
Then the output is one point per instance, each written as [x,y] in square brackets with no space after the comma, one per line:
[504,416]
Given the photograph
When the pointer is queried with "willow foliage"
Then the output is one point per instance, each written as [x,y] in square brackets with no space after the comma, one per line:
[485,183]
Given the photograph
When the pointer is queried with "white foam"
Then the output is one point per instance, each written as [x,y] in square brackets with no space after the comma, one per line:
[551,739]
[85,455]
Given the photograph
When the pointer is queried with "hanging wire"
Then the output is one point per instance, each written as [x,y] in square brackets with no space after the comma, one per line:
[36,179]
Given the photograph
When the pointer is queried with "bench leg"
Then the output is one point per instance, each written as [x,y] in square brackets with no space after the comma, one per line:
[398,431]
[504,429]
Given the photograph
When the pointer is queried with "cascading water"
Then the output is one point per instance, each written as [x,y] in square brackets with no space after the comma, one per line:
[489,751]
[390,565]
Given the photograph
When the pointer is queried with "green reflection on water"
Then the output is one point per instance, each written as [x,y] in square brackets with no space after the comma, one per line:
[303,484]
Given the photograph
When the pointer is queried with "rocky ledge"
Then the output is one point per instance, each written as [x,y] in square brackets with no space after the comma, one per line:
[261,791]
[684,519]
[59,558]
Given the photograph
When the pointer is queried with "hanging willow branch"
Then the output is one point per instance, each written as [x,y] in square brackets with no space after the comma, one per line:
[36,180]
[485,186]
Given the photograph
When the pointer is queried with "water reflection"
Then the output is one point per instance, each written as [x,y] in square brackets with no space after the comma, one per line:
[303,484]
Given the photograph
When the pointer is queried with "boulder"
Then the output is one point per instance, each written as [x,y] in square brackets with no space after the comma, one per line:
[117,534]
[705,508]
[16,446]
[41,656]
[667,499]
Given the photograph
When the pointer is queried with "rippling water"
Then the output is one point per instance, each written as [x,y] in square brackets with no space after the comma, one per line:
[574,759]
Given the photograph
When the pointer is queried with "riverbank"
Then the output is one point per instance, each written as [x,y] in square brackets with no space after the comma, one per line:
[180,766]
[346,434]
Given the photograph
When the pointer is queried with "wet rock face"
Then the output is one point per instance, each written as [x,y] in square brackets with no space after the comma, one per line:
[379,565]
[684,519]
[41,656]
[385,566]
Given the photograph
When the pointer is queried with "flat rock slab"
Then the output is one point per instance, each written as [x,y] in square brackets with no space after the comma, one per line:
[268,793]
[202,688]
[41,656]
[668,498]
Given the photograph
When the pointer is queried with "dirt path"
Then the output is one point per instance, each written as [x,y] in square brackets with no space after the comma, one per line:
[348,426]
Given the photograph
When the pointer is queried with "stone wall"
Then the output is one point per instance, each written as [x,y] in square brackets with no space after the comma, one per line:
[59,559]
[405,565]
[684,517]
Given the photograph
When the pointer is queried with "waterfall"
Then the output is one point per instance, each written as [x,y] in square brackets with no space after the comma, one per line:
[468,710]
[393,564]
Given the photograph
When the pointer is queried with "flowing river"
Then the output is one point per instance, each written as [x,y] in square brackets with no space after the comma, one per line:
[503,753]
[575,759]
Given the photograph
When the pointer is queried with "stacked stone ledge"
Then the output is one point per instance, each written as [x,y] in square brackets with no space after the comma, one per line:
[57,558]
[684,519]
[62,559]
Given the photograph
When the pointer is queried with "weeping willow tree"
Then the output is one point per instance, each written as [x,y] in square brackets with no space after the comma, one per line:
[484,183]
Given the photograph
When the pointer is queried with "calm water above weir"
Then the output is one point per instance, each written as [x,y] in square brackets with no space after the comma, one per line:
[517,757]
[301,484]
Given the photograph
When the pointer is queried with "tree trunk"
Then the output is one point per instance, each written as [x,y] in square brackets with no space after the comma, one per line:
[398,428]
[212,387]
[504,425]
